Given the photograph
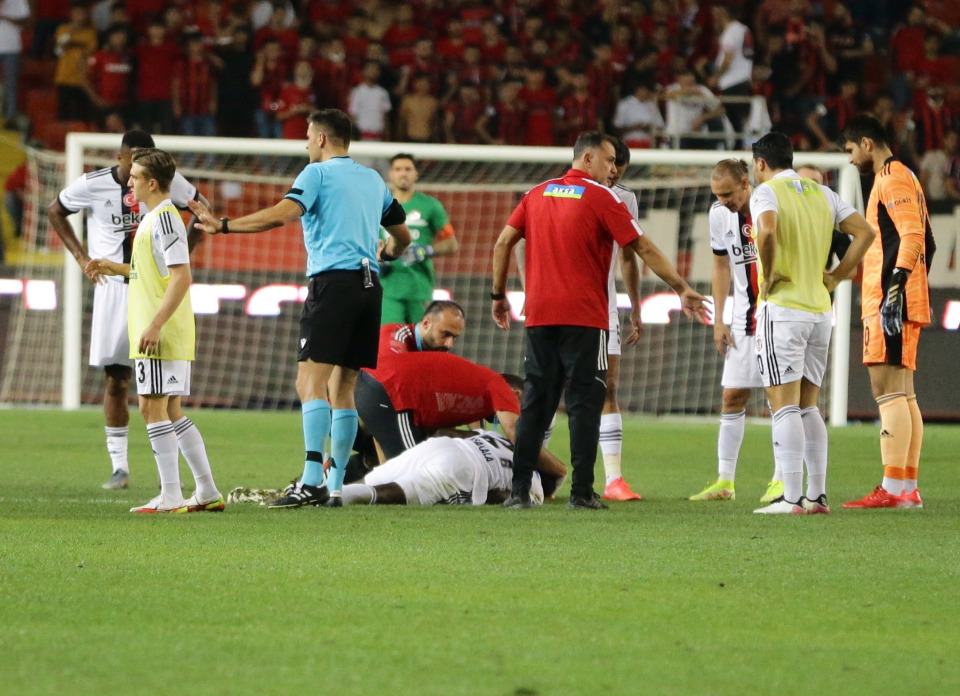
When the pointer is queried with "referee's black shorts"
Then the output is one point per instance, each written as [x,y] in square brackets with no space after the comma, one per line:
[393,430]
[340,323]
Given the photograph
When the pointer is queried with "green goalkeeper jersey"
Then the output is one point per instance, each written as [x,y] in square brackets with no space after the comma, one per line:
[425,218]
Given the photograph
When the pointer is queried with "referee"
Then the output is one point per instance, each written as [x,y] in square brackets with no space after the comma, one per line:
[342,205]
[570,225]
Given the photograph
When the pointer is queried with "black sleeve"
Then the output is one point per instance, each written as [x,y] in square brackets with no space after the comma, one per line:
[840,244]
[394,215]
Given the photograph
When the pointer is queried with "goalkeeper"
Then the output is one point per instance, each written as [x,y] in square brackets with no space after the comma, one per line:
[408,281]
[896,305]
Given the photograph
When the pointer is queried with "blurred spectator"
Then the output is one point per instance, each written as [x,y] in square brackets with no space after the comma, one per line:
[505,122]
[816,63]
[564,48]
[621,49]
[237,99]
[154,57]
[112,13]
[173,21]
[474,13]
[332,13]
[450,47]
[278,28]
[578,111]
[195,89]
[540,104]
[692,108]
[297,100]
[401,35]
[14,189]
[418,118]
[760,122]
[513,68]
[638,119]
[532,29]
[306,49]
[849,44]
[603,81]
[493,47]
[933,119]
[268,76]
[461,116]
[906,50]
[598,27]
[940,176]
[776,13]
[425,64]
[263,11]
[474,71]
[333,76]
[733,67]
[48,16]
[74,42]
[829,118]
[14,15]
[369,105]
[110,72]
[934,70]
[355,39]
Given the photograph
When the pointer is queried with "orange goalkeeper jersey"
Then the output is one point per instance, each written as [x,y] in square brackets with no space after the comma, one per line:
[898,214]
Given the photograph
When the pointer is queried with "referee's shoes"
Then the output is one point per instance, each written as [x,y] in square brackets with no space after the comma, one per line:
[301,495]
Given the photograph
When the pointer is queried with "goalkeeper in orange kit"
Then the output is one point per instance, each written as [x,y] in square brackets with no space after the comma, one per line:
[896,305]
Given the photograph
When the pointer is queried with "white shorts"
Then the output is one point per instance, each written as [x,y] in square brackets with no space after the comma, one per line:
[109,342]
[613,342]
[740,370]
[431,473]
[792,343]
[162,377]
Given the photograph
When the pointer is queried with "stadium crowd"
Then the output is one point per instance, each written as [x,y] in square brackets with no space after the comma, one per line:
[517,72]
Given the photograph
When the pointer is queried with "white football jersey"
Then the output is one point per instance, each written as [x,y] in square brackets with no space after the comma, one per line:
[493,455]
[112,213]
[629,199]
[731,235]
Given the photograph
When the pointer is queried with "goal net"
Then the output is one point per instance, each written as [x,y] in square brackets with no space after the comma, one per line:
[248,288]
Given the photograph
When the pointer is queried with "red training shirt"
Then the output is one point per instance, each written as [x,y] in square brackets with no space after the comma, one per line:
[443,390]
[570,225]
[398,338]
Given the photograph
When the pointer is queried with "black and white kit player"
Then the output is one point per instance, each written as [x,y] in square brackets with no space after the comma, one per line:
[112,217]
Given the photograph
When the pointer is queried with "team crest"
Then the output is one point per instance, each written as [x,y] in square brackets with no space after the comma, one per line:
[129,199]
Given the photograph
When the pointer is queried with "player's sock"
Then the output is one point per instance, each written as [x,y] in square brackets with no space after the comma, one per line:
[343,431]
[316,427]
[729,440]
[788,447]
[117,444]
[163,440]
[194,451]
[815,451]
[611,444]
[359,494]
[916,444]
[895,433]
[547,435]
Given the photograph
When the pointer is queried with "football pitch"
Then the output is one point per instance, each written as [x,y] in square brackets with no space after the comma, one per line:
[662,596]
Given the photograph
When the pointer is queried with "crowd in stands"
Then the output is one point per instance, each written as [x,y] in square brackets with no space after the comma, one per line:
[518,72]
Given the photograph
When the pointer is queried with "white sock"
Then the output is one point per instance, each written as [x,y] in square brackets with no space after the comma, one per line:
[359,494]
[611,444]
[815,451]
[895,486]
[547,435]
[788,448]
[164,443]
[195,452]
[117,444]
[729,440]
[909,485]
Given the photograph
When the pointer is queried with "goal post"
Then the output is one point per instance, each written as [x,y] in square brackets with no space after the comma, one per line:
[479,185]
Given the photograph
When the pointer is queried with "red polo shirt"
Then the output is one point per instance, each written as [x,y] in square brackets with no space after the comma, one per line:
[443,390]
[570,225]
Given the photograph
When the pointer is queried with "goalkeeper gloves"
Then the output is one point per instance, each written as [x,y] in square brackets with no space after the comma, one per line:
[891,309]
[415,253]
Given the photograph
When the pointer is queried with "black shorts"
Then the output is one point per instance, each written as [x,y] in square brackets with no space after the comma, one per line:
[340,323]
[393,429]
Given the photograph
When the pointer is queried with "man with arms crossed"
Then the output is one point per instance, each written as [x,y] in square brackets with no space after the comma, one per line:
[408,283]
[342,205]
[794,220]
[734,256]
[896,305]
[112,218]
[163,336]
[570,225]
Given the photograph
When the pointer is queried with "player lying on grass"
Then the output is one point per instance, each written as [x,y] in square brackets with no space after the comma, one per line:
[163,335]
[468,467]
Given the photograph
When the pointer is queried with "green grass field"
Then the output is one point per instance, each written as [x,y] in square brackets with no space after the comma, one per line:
[658,597]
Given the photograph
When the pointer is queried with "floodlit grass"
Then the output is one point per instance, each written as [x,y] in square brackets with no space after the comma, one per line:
[658,597]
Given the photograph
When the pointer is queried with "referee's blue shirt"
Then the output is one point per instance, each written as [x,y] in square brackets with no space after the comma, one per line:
[343,203]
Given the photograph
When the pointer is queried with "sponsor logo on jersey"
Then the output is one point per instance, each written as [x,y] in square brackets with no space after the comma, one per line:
[561,191]
[172,380]
[107,204]
[127,221]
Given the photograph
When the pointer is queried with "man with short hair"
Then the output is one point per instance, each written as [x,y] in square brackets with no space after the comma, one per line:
[734,258]
[794,220]
[439,329]
[342,205]
[408,283]
[163,336]
[570,225]
[112,218]
[896,306]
